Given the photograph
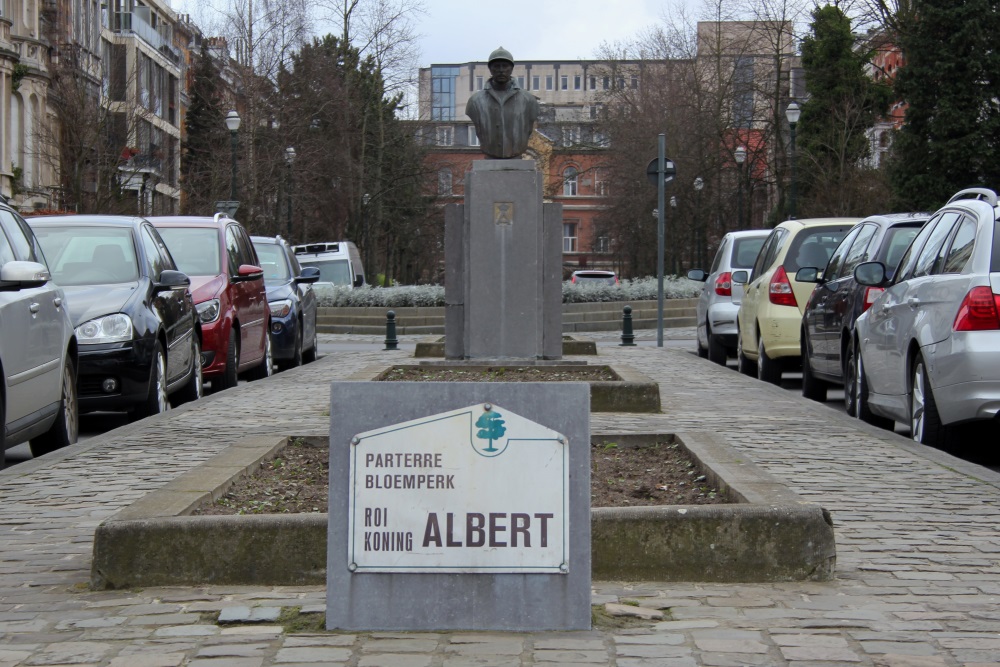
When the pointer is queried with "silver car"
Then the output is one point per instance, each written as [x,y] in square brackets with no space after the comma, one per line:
[716,307]
[930,344]
[38,401]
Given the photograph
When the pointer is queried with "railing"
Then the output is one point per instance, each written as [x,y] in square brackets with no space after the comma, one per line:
[136,24]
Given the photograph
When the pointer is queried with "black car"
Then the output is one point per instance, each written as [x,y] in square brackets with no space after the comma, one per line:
[135,321]
[291,300]
[838,300]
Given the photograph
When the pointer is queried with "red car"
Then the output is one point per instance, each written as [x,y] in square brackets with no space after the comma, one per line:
[227,283]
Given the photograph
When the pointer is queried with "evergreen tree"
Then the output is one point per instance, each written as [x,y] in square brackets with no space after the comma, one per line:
[844,103]
[951,84]
[205,151]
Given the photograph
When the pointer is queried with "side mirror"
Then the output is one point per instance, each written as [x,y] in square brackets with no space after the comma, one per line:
[359,281]
[870,274]
[248,272]
[19,275]
[170,279]
[697,274]
[310,274]
[741,277]
[808,274]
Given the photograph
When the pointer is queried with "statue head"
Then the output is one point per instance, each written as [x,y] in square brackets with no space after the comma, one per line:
[501,54]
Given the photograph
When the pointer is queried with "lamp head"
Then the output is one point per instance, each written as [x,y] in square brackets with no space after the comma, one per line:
[233,121]
[793,112]
[290,155]
[740,154]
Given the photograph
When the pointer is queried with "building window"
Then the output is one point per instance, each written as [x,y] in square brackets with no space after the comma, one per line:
[444,182]
[443,92]
[601,139]
[473,137]
[564,82]
[536,83]
[593,83]
[569,237]
[577,82]
[606,83]
[571,179]
[743,84]
[570,136]
[635,81]
[549,81]
[520,82]
[602,244]
[445,136]
[479,83]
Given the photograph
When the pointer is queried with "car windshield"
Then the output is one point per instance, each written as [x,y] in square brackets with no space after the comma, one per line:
[745,252]
[895,243]
[599,277]
[195,249]
[336,271]
[814,246]
[274,262]
[81,255]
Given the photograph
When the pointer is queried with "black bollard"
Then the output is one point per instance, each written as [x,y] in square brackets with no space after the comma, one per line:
[628,338]
[390,331]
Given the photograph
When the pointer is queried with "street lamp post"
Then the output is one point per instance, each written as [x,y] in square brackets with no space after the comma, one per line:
[366,232]
[673,234]
[792,113]
[699,232]
[740,155]
[289,159]
[233,123]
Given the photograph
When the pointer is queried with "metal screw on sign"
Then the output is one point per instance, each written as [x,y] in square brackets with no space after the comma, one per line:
[390,331]
[628,338]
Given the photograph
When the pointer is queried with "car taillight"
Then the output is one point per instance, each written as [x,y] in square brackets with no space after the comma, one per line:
[978,311]
[572,279]
[780,290]
[724,284]
[871,293]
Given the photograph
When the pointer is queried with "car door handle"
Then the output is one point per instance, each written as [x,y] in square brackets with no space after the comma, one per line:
[885,308]
[57,302]
[913,302]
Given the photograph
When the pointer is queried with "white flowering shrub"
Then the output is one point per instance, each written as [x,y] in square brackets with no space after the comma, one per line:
[639,289]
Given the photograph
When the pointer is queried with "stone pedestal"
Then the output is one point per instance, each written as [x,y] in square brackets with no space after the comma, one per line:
[503,259]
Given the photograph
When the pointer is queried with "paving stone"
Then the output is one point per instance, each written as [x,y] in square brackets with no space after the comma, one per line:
[400,645]
[395,660]
[313,654]
[636,612]
[820,653]
[70,653]
[571,657]
[149,660]
[240,650]
[226,662]
[890,660]
[187,631]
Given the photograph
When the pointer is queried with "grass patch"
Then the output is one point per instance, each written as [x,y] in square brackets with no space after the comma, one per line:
[600,619]
[295,622]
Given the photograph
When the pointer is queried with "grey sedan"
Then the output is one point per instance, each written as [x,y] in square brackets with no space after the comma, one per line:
[930,344]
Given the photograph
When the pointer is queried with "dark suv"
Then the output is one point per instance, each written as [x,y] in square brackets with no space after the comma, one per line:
[228,287]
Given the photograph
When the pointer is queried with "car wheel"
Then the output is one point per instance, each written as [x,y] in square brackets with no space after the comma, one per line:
[195,388]
[296,359]
[309,354]
[768,369]
[266,366]
[65,428]
[716,350]
[860,390]
[744,364]
[812,387]
[925,422]
[230,376]
[702,351]
[156,398]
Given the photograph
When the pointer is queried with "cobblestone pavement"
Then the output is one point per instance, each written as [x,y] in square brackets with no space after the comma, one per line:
[918,572]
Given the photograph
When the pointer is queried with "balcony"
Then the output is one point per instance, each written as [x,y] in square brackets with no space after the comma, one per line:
[136,23]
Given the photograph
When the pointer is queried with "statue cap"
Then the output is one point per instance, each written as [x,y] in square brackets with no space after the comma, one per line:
[501,54]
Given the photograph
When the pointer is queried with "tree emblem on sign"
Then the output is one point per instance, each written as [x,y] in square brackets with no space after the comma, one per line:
[491,427]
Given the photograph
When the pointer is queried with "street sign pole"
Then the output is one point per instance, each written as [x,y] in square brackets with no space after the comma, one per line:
[660,243]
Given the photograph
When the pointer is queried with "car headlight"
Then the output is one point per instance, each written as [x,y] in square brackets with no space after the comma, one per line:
[108,329]
[280,308]
[208,311]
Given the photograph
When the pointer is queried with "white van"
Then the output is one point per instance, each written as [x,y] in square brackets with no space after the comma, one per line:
[339,262]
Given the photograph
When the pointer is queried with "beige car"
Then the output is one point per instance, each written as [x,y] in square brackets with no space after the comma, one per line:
[769,321]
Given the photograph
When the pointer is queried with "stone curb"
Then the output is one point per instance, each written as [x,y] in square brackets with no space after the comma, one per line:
[770,535]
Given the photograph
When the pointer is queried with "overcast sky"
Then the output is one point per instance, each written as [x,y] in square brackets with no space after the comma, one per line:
[458,31]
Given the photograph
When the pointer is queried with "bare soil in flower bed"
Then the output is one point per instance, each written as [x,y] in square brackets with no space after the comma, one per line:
[575,373]
[296,481]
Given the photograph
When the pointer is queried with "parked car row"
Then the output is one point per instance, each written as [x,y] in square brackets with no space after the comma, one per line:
[902,310]
[127,313]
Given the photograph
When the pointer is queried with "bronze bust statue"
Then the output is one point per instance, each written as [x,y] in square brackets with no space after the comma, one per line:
[503,113]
